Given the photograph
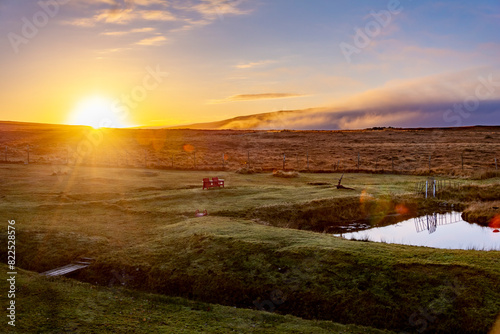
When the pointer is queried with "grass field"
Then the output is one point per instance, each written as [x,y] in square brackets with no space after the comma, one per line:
[453,151]
[140,227]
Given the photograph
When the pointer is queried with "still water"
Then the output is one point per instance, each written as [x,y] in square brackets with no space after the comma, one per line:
[437,230]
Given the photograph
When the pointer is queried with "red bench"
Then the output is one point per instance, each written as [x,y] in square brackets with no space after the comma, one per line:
[215,182]
[218,182]
[207,183]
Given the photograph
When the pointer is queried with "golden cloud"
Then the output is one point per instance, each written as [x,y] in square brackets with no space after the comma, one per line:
[157,40]
[253,97]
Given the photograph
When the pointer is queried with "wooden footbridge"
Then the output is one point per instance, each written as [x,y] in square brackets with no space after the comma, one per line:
[80,263]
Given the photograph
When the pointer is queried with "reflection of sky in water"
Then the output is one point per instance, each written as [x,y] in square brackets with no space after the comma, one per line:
[449,231]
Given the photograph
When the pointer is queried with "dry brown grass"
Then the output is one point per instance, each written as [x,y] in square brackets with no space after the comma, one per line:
[386,150]
[482,212]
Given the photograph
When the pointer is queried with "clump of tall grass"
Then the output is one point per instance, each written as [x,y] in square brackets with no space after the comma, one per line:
[484,175]
[285,174]
[246,170]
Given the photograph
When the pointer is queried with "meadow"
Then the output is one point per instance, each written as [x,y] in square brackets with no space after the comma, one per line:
[450,151]
[258,250]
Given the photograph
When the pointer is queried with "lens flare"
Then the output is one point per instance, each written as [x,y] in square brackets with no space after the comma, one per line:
[188,148]
[495,222]
[402,209]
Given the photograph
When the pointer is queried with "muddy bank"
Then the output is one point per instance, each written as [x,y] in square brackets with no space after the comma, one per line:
[338,215]
[483,213]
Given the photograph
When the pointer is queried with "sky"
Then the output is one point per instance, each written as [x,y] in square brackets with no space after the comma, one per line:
[343,64]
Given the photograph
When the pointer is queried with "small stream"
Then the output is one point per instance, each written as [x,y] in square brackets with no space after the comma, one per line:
[448,231]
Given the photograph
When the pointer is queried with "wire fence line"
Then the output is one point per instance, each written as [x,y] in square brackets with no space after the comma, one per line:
[433,187]
[293,159]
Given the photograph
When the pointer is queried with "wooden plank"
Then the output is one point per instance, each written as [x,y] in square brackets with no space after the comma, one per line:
[64,270]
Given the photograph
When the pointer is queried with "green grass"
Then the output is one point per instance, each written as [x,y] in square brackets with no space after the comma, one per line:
[140,227]
[48,305]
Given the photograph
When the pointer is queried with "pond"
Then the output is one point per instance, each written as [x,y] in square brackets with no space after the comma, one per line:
[447,231]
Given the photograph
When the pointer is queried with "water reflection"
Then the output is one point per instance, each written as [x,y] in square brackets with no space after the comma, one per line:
[447,231]
[431,222]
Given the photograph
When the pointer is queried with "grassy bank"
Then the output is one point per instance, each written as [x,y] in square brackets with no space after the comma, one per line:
[48,305]
[140,227]
[483,213]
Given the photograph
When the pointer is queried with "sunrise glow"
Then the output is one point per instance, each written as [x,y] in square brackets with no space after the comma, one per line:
[175,63]
[97,112]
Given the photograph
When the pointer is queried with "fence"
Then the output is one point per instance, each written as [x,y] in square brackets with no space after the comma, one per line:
[206,159]
[432,187]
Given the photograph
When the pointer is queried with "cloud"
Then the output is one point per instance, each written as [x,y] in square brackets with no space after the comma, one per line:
[470,97]
[147,3]
[79,22]
[114,50]
[187,14]
[217,8]
[133,31]
[157,40]
[407,116]
[116,16]
[157,15]
[254,64]
[253,97]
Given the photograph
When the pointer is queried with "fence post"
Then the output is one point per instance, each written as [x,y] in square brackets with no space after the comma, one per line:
[434,188]
[284,161]
[426,187]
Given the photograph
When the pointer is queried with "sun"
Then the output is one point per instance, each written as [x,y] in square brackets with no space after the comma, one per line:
[97,112]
